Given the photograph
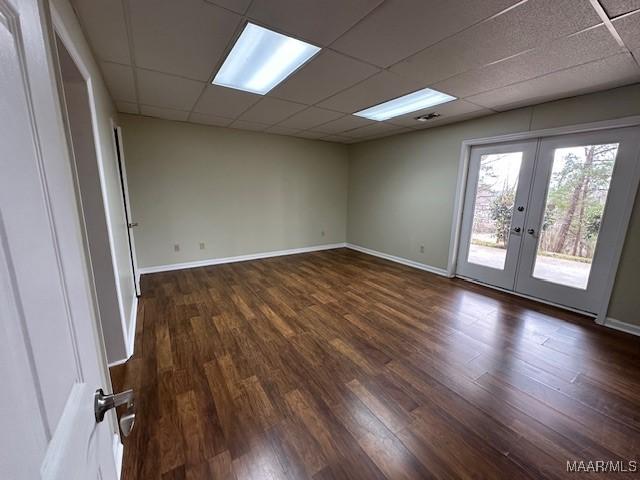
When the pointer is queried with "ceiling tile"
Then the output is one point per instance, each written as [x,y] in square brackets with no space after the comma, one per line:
[628,28]
[127,107]
[225,102]
[323,76]
[310,134]
[376,129]
[278,130]
[310,118]
[526,26]
[167,91]
[319,22]
[119,80]
[399,28]
[599,75]
[242,125]
[210,119]
[271,110]
[447,119]
[104,23]
[377,89]
[164,113]
[615,8]
[186,38]
[239,6]
[348,122]
[577,49]
[337,138]
[447,110]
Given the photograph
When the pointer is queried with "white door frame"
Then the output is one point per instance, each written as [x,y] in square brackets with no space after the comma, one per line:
[625,214]
[505,277]
[66,38]
[122,170]
[589,298]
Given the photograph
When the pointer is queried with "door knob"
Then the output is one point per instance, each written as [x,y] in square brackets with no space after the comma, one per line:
[521,208]
[531,231]
[517,230]
[103,403]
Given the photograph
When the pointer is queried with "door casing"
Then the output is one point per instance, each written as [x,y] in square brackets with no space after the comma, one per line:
[620,189]
[504,278]
[625,213]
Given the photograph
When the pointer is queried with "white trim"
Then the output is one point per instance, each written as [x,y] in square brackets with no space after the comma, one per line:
[631,121]
[403,261]
[131,334]
[121,167]
[118,454]
[239,258]
[122,361]
[621,326]
[65,37]
[458,204]
[465,151]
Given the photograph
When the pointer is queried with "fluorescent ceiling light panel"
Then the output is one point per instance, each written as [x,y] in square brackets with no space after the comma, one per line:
[261,59]
[419,100]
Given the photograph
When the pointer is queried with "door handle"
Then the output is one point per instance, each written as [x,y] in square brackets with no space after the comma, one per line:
[531,231]
[103,403]
[131,225]
[517,230]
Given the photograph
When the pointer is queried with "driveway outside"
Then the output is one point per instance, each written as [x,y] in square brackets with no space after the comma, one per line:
[556,270]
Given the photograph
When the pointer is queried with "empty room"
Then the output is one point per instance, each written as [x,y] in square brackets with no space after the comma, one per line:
[318,239]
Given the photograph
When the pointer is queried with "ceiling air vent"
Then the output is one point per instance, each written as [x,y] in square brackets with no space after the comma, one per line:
[427,117]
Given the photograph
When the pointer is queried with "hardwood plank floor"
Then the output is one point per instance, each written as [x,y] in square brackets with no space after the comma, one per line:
[337,364]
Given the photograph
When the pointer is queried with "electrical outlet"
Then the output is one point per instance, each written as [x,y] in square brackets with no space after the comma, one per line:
[421,248]
[176,247]
[201,245]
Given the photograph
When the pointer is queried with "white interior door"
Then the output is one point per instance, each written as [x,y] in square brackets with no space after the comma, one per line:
[581,184]
[52,358]
[495,207]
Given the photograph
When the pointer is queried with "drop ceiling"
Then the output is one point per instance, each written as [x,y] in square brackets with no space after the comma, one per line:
[159,57]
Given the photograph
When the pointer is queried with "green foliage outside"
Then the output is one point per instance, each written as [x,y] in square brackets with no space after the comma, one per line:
[576,198]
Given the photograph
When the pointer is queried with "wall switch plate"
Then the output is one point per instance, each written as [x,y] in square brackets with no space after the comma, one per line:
[176,247]
[421,248]
[322,233]
[201,245]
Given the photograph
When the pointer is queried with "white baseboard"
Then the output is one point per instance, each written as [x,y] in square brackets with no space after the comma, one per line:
[403,261]
[118,453]
[622,326]
[239,258]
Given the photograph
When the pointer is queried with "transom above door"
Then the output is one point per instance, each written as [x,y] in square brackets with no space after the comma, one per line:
[539,214]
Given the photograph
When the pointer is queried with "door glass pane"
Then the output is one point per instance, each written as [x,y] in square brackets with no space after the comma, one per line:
[495,195]
[576,196]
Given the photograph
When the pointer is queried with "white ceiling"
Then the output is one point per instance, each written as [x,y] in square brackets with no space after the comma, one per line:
[158,58]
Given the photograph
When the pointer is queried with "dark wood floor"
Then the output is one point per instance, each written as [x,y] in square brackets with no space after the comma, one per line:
[340,365]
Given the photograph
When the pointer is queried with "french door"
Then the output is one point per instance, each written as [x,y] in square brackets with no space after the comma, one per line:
[540,216]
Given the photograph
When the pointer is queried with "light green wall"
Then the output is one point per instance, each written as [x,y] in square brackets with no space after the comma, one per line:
[402,188]
[237,191]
